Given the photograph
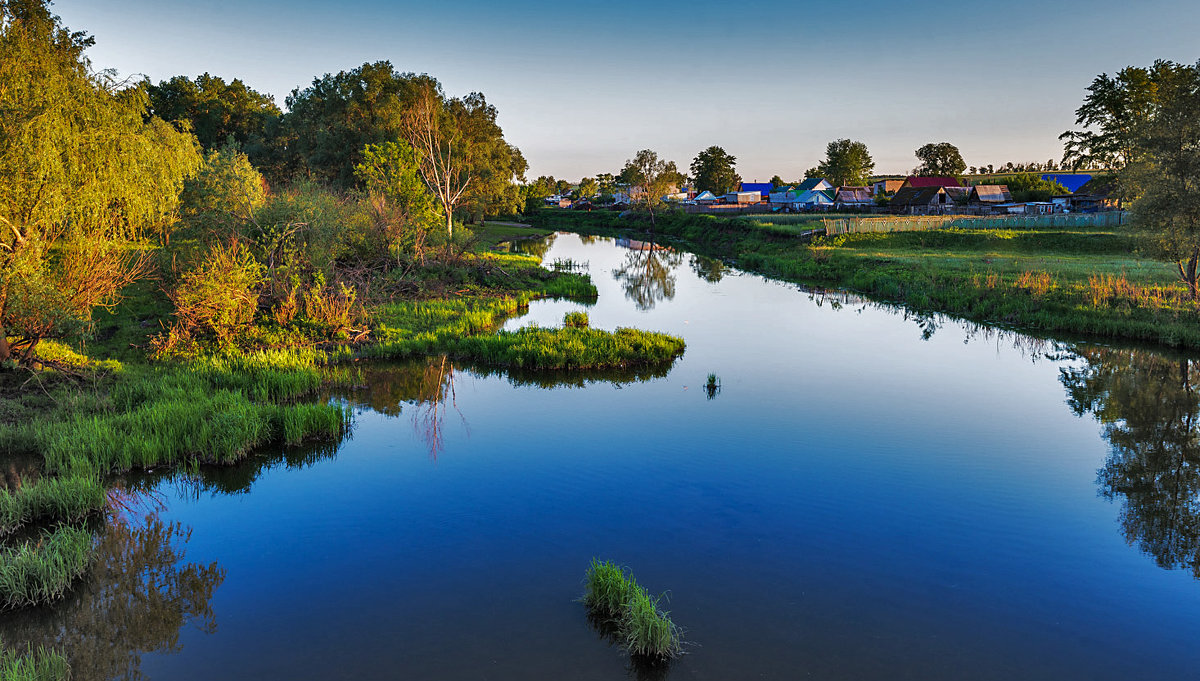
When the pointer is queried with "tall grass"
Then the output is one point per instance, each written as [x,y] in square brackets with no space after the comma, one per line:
[66,499]
[613,595]
[901,223]
[41,571]
[34,665]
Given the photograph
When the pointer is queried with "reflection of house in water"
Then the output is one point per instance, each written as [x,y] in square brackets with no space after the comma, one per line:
[635,245]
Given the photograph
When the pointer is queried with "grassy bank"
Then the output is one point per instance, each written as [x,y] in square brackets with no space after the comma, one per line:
[1092,281]
[119,402]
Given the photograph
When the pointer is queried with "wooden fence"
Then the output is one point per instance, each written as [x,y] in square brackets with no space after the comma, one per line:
[922,222]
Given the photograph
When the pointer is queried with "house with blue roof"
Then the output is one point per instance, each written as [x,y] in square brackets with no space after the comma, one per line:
[811,193]
[1072,181]
[764,188]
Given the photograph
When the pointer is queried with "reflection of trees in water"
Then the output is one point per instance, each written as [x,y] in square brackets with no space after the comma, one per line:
[138,596]
[709,269]
[1151,414]
[437,394]
[648,274]
[428,385]
[537,247]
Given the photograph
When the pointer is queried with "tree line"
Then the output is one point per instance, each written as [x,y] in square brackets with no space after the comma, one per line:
[236,206]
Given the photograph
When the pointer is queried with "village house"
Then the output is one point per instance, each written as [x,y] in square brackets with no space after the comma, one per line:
[886,187]
[853,197]
[763,188]
[921,201]
[811,193]
[920,181]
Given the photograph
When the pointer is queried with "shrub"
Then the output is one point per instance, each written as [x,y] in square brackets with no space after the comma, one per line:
[223,194]
[575,320]
[221,294]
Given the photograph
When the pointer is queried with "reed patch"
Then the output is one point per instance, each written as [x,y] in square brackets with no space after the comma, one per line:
[613,597]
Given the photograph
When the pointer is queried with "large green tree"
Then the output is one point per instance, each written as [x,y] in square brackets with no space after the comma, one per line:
[217,111]
[650,178]
[714,171]
[846,163]
[465,160]
[1162,173]
[940,158]
[330,122]
[84,176]
[1111,114]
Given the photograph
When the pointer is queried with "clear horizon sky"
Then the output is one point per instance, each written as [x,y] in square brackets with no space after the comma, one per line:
[581,87]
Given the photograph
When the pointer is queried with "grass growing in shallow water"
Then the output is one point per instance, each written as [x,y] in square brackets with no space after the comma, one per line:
[35,665]
[41,571]
[50,498]
[613,595]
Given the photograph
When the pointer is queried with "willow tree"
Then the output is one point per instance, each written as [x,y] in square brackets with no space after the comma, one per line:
[84,177]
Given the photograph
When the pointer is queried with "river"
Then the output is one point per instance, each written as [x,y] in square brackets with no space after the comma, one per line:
[868,495]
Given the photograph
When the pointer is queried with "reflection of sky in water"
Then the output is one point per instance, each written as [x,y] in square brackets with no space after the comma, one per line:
[857,503]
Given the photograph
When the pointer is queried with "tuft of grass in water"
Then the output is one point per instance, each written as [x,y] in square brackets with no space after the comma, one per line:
[34,665]
[64,499]
[712,387]
[608,588]
[649,631]
[576,320]
[612,594]
[42,570]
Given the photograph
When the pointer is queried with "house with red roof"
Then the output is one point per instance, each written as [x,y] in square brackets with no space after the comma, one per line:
[920,181]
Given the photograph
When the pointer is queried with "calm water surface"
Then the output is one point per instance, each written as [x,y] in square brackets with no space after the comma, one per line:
[868,496]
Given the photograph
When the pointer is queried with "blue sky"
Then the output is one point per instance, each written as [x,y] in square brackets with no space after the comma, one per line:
[582,86]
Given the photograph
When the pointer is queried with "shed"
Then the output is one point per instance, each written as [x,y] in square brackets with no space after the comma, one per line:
[706,197]
[989,194]
[853,197]
[743,197]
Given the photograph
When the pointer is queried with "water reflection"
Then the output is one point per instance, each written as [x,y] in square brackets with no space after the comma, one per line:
[137,598]
[648,273]
[710,270]
[1151,415]
[533,246]
[427,387]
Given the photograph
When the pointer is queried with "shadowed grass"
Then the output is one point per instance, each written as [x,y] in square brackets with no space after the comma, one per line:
[612,594]
[67,499]
[41,571]
[34,665]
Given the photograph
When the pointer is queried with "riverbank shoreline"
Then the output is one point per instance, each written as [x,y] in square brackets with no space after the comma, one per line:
[1092,283]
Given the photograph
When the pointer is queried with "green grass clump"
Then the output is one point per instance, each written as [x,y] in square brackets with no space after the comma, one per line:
[41,571]
[67,499]
[466,330]
[576,320]
[613,595]
[566,348]
[34,665]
